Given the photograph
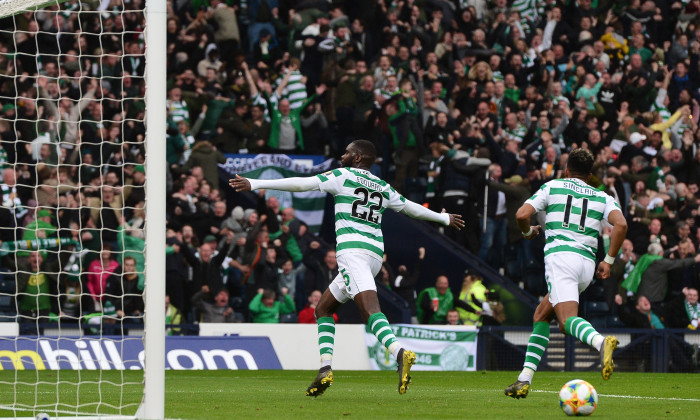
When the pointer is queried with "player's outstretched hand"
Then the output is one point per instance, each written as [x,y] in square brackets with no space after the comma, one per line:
[535,232]
[603,270]
[239,183]
[456,221]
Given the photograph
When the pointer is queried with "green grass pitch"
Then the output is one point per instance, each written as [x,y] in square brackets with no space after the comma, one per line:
[367,395]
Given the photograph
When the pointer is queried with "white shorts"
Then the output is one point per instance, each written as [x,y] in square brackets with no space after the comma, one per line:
[567,275]
[356,274]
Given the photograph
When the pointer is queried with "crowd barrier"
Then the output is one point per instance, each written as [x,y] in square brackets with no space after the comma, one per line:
[640,350]
[294,347]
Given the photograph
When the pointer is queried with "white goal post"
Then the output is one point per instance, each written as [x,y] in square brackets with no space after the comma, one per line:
[47,98]
[154,343]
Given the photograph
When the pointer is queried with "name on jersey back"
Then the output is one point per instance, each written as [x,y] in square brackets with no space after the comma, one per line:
[579,189]
[369,184]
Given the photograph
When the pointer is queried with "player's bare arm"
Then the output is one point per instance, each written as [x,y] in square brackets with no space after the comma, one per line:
[456,221]
[617,220]
[522,217]
[239,183]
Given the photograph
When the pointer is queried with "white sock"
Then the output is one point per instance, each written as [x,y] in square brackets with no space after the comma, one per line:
[597,342]
[394,348]
[326,360]
[526,375]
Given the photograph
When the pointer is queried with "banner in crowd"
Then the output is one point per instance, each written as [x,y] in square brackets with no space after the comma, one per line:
[308,205]
[106,353]
[437,347]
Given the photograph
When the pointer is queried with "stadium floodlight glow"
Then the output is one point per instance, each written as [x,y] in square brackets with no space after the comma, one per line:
[61,100]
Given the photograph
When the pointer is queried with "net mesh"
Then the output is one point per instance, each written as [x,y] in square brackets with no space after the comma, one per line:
[71,223]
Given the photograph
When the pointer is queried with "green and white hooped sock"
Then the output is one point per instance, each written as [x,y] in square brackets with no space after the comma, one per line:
[326,339]
[536,346]
[584,331]
[379,326]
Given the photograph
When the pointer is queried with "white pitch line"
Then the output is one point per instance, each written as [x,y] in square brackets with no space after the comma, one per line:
[600,395]
[637,397]
[633,396]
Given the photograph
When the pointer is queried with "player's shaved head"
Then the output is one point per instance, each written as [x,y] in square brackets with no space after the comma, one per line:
[367,150]
[580,162]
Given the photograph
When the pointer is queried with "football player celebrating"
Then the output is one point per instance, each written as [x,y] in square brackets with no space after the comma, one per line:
[360,200]
[575,214]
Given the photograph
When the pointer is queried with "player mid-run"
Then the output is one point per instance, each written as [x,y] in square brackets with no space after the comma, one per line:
[575,214]
[360,200]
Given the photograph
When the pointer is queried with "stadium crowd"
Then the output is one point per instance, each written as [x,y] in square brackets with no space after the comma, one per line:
[458,95]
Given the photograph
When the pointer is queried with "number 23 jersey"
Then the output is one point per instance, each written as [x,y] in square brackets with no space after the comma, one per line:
[575,214]
[360,200]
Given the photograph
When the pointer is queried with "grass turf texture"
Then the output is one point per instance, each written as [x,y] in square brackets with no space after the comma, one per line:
[369,395]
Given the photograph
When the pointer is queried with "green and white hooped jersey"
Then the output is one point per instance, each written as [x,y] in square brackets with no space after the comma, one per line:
[662,110]
[360,200]
[178,111]
[575,214]
[295,91]
[517,134]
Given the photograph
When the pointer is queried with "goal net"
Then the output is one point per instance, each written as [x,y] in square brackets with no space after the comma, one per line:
[77,336]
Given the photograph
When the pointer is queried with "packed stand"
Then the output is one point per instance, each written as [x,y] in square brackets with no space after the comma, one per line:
[473,104]
[463,96]
[71,137]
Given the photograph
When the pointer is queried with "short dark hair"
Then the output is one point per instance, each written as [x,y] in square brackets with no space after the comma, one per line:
[367,150]
[178,185]
[580,162]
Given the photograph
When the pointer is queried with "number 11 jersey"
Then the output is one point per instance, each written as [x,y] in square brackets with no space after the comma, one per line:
[575,214]
[360,201]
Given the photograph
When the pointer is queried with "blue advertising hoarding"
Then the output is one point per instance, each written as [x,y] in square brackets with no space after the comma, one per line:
[126,353]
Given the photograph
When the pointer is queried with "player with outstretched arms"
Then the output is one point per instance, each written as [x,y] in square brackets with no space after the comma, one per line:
[360,200]
[575,215]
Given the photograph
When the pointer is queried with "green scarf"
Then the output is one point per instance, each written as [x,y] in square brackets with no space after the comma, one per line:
[9,247]
[632,281]
[693,311]
[655,321]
